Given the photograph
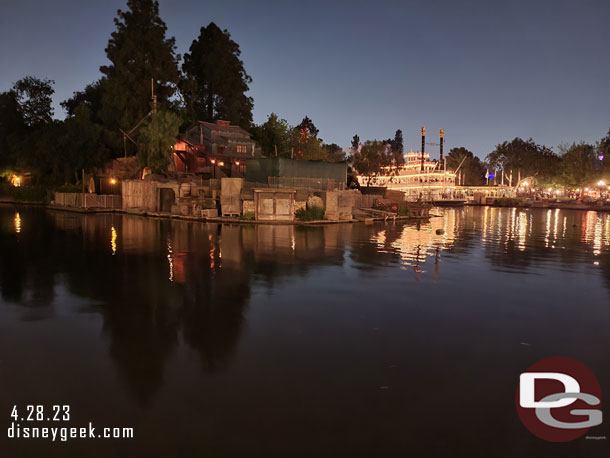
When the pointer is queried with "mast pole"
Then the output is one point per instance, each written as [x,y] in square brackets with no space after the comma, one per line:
[423,146]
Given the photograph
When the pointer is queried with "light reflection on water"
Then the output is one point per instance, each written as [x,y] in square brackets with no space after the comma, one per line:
[501,231]
[281,335]
[17,222]
[414,243]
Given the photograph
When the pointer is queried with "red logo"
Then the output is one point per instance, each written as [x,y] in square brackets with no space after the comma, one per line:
[559,399]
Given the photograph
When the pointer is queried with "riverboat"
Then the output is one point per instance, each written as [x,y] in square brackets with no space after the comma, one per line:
[425,180]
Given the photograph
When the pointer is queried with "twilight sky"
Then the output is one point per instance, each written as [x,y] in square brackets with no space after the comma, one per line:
[485,71]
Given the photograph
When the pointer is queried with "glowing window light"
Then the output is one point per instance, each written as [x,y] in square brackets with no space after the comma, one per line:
[221,164]
[113,180]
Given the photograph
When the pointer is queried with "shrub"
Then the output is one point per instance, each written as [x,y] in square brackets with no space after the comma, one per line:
[310,214]
[403,210]
[24,193]
[248,216]
[73,188]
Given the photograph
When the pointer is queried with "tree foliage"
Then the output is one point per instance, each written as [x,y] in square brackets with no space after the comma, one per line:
[34,99]
[470,165]
[306,146]
[155,141]
[215,82]
[578,165]
[525,157]
[604,153]
[83,145]
[376,158]
[396,143]
[91,97]
[309,127]
[305,143]
[139,52]
[273,136]
[333,152]
[11,124]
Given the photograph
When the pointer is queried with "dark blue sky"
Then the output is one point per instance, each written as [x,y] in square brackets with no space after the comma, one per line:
[485,71]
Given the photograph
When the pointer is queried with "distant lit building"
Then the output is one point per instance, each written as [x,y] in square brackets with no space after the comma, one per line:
[205,146]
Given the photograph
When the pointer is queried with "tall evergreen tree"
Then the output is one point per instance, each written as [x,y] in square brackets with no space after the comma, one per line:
[308,125]
[138,51]
[216,82]
[355,142]
[397,144]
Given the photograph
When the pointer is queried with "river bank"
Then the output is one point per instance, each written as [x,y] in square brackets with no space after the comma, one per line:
[218,219]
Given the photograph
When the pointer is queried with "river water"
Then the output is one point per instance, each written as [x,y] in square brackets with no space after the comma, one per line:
[388,339]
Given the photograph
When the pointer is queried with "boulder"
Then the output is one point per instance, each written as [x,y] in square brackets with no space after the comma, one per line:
[315,201]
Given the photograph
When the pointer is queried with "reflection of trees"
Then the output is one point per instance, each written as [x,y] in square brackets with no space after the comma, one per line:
[153,279]
[162,279]
[27,257]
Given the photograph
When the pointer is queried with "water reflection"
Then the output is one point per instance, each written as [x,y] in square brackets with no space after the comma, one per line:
[113,237]
[167,291]
[414,243]
[17,222]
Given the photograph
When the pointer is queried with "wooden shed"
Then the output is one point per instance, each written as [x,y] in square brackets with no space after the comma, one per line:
[274,204]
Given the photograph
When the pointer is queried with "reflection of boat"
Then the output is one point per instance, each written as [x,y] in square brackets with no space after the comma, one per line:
[425,180]
[414,243]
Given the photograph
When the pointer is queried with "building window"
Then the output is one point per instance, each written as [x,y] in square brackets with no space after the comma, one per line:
[242,149]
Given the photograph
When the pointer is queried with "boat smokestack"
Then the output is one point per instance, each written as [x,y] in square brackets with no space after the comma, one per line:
[423,146]
[442,134]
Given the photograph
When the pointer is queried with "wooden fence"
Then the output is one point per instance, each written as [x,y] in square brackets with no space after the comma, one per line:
[78,200]
[318,184]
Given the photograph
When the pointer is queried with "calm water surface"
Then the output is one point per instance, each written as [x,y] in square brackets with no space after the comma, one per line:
[279,341]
